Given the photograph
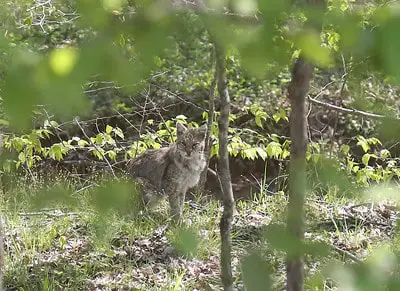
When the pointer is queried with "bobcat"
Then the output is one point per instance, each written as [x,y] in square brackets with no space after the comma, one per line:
[171,170]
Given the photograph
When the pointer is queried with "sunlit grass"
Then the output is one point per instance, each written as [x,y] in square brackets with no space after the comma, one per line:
[74,246]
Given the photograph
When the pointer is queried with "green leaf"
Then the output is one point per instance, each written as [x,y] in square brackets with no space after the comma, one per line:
[262,153]
[4,122]
[281,114]
[54,123]
[182,119]
[22,157]
[18,144]
[250,153]
[185,241]
[113,195]
[315,158]
[56,151]
[118,132]
[63,60]
[18,101]
[98,153]
[346,148]
[256,273]
[44,83]
[363,143]
[285,153]
[99,139]
[156,145]
[109,129]
[280,239]
[365,159]
[317,248]
[82,143]
[258,121]
[310,44]
[111,154]
[388,45]
[54,193]
[384,154]
[274,149]
[7,165]
[329,171]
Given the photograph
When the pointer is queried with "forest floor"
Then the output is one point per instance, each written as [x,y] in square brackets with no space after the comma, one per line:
[75,248]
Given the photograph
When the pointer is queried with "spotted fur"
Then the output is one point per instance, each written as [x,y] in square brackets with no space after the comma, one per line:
[172,170]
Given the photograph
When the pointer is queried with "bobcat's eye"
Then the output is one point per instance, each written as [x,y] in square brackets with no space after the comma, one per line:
[195,144]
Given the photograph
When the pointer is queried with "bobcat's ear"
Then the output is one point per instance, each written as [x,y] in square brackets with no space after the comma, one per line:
[180,128]
[203,130]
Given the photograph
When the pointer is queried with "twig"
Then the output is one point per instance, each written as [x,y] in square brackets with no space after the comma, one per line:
[180,98]
[351,110]
[211,110]
[208,141]
[38,5]
[344,77]
[88,91]
[200,8]
[276,179]
[56,213]
[346,254]
[365,204]
[163,120]
[142,121]
[115,115]
[127,120]
[86,187]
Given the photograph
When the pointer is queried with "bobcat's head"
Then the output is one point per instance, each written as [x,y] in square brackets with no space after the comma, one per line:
[190,141]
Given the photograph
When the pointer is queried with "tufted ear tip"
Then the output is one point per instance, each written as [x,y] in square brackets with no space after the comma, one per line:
[180,128]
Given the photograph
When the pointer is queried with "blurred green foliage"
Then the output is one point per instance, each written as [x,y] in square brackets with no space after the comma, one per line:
[53,52]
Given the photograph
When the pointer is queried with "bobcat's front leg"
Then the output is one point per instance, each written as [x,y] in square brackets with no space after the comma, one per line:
[176,200]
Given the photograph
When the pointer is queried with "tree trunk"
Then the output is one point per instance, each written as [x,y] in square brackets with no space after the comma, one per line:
[301,76]
[2,266]
[224,172]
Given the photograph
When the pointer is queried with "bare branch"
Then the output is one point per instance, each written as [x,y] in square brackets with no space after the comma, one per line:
[115,87]
[200,8]
[350,110]
[39,4]
[346,254]
[46,12]
[180,98]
